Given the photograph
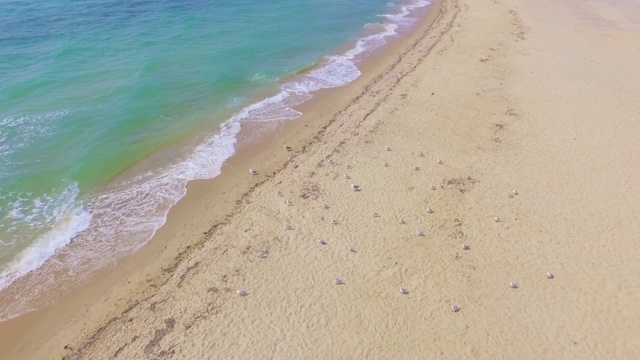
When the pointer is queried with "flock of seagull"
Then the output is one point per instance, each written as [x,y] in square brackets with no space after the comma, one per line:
[354,187]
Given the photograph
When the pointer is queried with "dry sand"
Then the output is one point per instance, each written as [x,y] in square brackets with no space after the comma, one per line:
[540,96]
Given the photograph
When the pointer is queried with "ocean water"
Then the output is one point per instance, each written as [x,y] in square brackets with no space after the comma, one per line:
[90,89]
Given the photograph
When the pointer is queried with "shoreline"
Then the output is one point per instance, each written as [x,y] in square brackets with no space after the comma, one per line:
[139,268]
[128,241]
[189,148]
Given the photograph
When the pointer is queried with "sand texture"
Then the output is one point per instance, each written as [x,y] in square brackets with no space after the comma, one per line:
[537,96]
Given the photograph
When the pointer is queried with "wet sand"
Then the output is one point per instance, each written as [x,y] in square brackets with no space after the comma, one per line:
[538,97]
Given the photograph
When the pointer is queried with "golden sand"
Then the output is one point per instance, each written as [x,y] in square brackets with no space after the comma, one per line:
[538,96]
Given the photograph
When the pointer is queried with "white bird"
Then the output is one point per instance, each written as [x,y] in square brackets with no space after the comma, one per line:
[289,157]
[430,210]
[416,168]
[288,148]
[550,275]
[402,221]
[348,166]
[514,192]
[261,255]
[346,176]
[325,205]
[242,292]
[439,161]
[288,202]
[385,164]
[497,219]
[321,241]
[279,193]
[420,154]
[388,148]
[404,291]
[456,308]
[432,187]
[253,172]
[465,247]
[334,221]
[420,232]
[288,227]
[356,187]
[468,177]
[246,200]
[375,214]
[338,281]
[513,285]
[352,249]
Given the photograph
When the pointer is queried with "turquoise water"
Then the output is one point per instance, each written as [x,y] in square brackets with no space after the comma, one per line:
[89,89]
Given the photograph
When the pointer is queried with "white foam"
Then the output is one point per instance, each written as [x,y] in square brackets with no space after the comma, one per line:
[235,101]
[274,108]
[25,129]
[263,78]
[40,212]
[401,16]
[66,225]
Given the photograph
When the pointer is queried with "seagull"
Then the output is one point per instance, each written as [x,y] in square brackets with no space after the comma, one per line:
[356,187]
[386,165]
[416,168]
[321,241]
[432,187]
[468,177]
[388,148]
[550,275]
[465,247]
[288,148]
[242,292]
[420,232]
[456,308]
[279,193]
[253,172]
[288,227]
[246,200]
[261,255]
[514,192]
[334,221]
[338,281]
[420,154]
[402,221]
[289,157]
[346,176]
[430,210]
[348,166]
[439,161]
[513,285]
[375,214]
[288,202]
[497,219]
[352,249]
[330,161]
[325,205]
[404,291]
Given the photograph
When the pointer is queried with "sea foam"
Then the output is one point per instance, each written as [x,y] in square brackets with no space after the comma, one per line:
[68,219]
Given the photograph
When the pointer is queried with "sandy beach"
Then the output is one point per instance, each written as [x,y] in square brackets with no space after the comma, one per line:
[510,127]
